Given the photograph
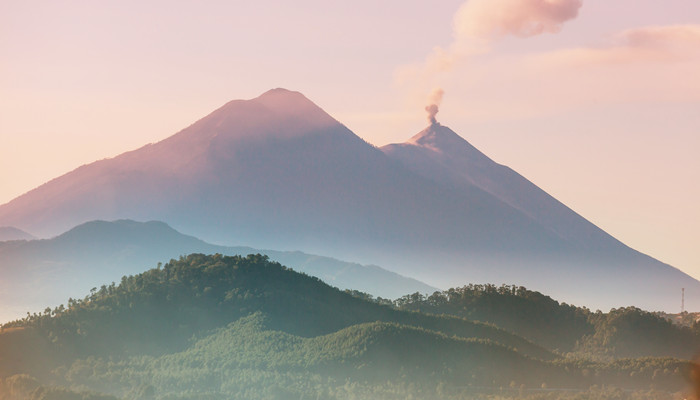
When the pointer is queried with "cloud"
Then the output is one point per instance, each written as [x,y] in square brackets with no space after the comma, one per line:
[653,44]
[522,18]
[477,23]
[660,36]
[654,65]
[644,65]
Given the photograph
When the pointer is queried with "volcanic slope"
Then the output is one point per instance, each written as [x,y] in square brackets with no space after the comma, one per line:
[278,172]
[601,263]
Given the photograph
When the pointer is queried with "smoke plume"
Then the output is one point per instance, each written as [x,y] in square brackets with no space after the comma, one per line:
[434,105]
[477,25]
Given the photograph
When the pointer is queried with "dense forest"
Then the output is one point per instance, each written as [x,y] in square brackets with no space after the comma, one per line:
[217,327]
[621,332]
[528,313]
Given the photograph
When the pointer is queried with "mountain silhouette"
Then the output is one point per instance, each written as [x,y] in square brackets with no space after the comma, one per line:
[12,233]
[279,172]
[41,273]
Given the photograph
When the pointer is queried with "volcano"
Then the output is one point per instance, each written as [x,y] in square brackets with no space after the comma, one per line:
[279,172]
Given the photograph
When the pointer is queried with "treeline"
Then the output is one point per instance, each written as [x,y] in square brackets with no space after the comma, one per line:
[246,360]
[217,327]
[160,310]
[621,332]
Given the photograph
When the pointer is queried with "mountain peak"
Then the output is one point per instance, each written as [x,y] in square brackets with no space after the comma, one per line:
[282,100]
[275,113]
[437,137]
[289,103]
[100,230]
[282,93]
[440,140]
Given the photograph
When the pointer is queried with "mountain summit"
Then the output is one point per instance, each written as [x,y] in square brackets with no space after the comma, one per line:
[277,113]
[184,177]
[278,172]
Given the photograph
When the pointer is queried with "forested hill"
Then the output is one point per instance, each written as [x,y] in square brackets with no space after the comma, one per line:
[37,273]
[621,332]
[158,311]
[219,327]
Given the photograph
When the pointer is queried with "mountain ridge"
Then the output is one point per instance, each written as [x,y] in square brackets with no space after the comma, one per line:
[12,233]
[38,273]
[278,172]
[336,170]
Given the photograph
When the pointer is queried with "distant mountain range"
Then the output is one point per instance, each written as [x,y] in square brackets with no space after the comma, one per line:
[41,273]
[12,233]
[278,172]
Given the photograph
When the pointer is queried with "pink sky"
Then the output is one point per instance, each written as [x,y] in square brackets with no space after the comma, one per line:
[599,107]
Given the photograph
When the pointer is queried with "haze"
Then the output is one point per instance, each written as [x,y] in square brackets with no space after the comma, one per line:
[600,110]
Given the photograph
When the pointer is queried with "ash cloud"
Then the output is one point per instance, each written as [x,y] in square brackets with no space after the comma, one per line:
[434,105]
[477,25]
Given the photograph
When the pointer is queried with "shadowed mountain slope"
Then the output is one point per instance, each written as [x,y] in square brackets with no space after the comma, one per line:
[600,261]
[440,154]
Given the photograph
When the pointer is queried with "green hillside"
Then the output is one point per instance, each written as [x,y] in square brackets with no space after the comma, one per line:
[244,327]
[622,332]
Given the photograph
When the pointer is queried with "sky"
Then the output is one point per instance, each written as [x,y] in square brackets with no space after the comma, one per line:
[595,101]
